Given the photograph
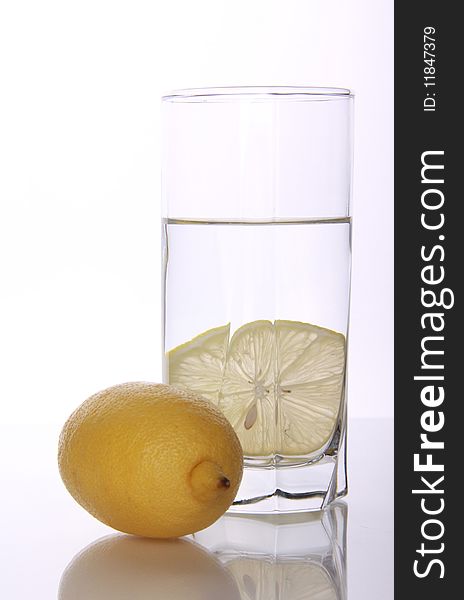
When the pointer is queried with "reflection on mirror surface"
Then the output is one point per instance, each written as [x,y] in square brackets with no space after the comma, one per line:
[121,567]
[298,556]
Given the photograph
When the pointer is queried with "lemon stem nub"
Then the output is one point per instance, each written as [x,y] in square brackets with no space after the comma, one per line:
[208,481]
[224,482]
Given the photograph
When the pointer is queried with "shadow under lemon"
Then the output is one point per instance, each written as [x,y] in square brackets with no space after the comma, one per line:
[122,567]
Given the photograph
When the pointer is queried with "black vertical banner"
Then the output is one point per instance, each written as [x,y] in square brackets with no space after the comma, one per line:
[429,259]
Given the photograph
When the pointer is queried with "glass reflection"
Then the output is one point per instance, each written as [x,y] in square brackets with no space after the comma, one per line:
[298,556]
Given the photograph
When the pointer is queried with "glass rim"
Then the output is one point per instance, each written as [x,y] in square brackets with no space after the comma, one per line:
[272,93]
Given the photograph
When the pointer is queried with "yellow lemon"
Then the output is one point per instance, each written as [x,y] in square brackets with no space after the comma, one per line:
[150,459]
[119,567]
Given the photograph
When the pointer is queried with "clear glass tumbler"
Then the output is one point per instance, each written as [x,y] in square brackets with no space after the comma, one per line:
[257,255]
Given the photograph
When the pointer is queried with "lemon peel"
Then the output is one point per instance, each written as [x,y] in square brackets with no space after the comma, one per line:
[150,459]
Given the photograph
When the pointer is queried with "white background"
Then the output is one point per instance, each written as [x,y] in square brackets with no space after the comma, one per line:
[80,83]
[80,176]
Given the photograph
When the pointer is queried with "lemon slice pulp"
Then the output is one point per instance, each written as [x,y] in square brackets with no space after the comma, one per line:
[280,384]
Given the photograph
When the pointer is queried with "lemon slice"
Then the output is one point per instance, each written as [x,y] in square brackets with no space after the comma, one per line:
[198,364]
[280,384]
[309,384]
[292,580]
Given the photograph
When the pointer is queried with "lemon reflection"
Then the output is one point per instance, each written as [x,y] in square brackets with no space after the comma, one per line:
[283,557]
[120,567]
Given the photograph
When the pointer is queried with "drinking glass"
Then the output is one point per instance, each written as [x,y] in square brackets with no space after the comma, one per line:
[256,187]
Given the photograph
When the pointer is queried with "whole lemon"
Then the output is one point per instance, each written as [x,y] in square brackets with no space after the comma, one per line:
[150,459]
